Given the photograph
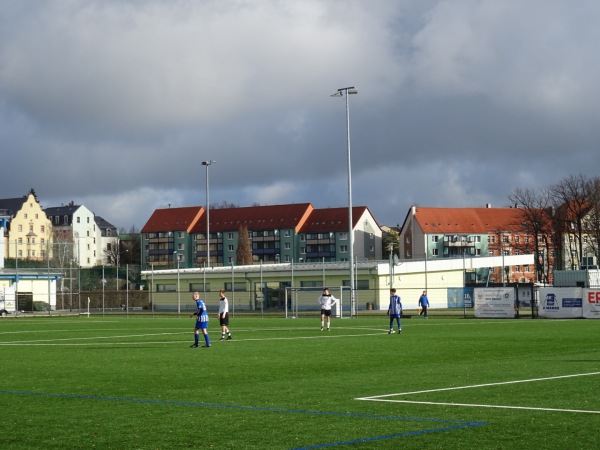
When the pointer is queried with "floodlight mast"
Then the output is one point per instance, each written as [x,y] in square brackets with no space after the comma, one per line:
[340,93]
[206,164]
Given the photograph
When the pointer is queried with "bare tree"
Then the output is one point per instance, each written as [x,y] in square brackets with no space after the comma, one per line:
[535,221]
[570,195]
[592,223]
[111,253]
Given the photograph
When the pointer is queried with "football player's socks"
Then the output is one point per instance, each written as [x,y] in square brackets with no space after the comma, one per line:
[207,339]
[196,339]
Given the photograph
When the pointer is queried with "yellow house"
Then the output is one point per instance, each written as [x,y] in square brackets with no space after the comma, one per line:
[29,229]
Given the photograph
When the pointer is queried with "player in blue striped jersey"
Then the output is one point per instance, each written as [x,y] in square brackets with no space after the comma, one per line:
[201,321]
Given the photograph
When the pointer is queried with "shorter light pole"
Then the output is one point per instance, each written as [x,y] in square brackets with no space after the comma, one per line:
[178,290]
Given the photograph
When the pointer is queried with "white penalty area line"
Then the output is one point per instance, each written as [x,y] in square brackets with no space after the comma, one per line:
[386,397]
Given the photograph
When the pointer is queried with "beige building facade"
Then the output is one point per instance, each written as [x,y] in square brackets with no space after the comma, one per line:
[29,233]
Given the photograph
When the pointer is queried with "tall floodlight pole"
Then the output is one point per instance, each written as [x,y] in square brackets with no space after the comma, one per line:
[206,164]
[340,93]
[178,290]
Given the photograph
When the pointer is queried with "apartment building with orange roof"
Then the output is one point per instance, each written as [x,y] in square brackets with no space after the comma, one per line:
[166,238]
[277,233]
[431,233]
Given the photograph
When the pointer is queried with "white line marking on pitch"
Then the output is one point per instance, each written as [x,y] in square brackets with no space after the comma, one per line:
[385,398]
[63,341]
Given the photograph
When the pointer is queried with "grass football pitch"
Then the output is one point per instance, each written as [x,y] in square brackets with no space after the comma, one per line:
[444,383]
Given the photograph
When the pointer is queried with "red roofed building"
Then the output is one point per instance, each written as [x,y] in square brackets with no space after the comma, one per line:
[277,233]
[429,233]
[165,237]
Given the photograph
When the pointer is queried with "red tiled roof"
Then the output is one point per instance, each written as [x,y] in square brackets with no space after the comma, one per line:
[173,219]
[467,220]
[332,219]
[255,218]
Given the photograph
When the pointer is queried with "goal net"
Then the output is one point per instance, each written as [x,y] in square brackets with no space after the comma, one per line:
[304,301]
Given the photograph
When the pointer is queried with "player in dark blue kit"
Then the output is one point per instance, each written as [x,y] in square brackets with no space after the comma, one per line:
[394,311]
[201,322]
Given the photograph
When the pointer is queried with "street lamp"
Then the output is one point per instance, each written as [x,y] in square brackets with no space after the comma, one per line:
[340,93]
[207,163]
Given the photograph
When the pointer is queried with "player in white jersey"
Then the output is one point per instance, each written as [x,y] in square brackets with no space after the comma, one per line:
[224,316]
[326,300]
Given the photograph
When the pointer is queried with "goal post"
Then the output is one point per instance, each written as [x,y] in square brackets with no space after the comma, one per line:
[305,301]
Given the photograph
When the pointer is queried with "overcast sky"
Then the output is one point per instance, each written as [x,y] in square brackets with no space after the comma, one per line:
[115,104]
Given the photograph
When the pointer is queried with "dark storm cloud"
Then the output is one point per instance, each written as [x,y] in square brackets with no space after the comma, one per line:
[114,104]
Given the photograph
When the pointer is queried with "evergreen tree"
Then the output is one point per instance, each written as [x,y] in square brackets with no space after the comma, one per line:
[244,252]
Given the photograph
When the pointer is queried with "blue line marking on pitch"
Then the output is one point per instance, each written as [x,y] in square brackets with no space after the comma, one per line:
[459,424]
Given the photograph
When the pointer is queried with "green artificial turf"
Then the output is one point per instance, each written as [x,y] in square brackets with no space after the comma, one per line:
[133,382]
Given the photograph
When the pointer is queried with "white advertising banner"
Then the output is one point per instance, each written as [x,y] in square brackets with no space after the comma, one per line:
[591,304]
[560,303]
[495,303]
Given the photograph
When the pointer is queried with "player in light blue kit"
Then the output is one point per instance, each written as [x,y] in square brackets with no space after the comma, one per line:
[201,322]
[394,311]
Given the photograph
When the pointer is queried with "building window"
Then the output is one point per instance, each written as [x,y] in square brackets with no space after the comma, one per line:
[434,238]
[20,228]
[343,236]
[25,215]
[517,239]
[238,286]
[78,219]
[287,245]
[287,233]
[166,288]
[230,236]
[230,247]
[199,287]
[434,252]
[343,249]
[43,229]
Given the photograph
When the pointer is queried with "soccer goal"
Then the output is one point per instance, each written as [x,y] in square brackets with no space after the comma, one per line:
[305,301]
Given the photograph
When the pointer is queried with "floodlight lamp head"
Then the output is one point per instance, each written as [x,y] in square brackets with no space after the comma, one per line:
[352,91]
[336,94]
